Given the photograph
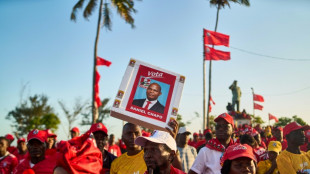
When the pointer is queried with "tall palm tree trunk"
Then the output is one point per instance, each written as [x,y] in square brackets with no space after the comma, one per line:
[94,106]
[210,69]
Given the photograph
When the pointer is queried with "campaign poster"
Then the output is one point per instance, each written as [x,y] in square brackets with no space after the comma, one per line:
[154,87]
[148,95]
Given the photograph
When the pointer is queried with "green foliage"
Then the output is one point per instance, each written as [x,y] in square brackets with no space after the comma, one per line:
[33,113]
[125,8]
[223,3]
[283,121]
[72,116]
[257,120]
[299,120]
[103,113]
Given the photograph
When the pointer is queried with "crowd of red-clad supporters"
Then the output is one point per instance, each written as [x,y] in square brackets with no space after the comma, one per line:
[228,149]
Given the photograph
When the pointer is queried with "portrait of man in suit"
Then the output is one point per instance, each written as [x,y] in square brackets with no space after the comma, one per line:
[150,102]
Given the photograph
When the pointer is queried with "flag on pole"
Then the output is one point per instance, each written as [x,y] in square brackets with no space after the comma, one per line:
[210,106]
[213,54]
[258,107]
[272,117]
[215,38]
[258,98]
[101,61]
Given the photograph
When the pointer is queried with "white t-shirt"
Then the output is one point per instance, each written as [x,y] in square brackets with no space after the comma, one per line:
[207,161]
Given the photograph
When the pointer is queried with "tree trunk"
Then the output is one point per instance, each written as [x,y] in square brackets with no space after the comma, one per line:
[210,68]
[94,106]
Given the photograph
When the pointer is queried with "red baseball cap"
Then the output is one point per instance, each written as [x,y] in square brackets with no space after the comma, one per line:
[75,129]
[293,126]
[195,134]
[40,135]
[9,137]
[98,127]
[50,133]
[21,140]
[28,171]
[207,131]
[229,119]
[237,151]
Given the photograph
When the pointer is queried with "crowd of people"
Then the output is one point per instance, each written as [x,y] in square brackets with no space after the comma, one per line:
[228,149]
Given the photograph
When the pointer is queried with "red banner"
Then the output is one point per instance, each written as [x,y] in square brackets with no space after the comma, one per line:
[215,38]
[272,117]
[213,54]
[258,107]
[101,61]
[258,98]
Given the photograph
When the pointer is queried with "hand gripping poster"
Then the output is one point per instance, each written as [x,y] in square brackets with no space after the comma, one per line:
[148,95]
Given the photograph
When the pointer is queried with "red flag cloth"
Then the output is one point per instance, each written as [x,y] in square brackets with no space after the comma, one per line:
[215,38]
[213,54]
[272,117]
[258,107]
[80,155]
[210,106]
[257,97]
[97,98]
[101,61]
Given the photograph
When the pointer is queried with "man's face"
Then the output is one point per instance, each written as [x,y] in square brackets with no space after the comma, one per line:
[153,92]
[130,133]
[156,157]
[183,138]
[22,146]
[278,134]
[297,137]
[242,166]
[223,130]
[3,146]
[101,139]
[36,148]
[74,134]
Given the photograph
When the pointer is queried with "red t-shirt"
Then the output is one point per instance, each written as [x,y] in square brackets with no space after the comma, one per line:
[12,149]
[20,156]
[260,154]
[115,150]
[43,167]
[8,163]
[172,171]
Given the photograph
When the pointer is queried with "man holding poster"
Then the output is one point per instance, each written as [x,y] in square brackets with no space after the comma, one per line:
[150,102]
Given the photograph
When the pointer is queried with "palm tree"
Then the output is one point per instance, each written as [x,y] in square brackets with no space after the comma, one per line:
[125,8]
[219,4]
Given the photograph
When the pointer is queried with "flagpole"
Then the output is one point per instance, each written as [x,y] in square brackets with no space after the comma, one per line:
[204,83]
[253,102]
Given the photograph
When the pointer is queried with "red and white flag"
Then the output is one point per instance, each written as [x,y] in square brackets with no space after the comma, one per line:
[101,61]
[210,106]
[213,54]
[272,117]
[258,107]
[215,38]
[258,98]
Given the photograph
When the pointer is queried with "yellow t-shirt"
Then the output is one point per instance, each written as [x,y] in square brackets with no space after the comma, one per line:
[264,166]
[290,163]
[129,164]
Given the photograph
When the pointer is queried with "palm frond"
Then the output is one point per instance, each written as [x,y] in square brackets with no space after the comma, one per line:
[91,6]
[76,7]
[245,2]
[107,23]
[125,8]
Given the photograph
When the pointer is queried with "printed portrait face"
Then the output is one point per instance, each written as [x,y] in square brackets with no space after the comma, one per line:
[153,91]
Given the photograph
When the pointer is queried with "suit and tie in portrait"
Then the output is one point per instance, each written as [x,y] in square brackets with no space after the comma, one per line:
[150,102]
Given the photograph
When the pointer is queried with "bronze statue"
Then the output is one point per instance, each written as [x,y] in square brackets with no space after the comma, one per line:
[236,95]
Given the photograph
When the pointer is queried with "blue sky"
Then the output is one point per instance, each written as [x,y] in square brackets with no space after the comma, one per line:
[41,47]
